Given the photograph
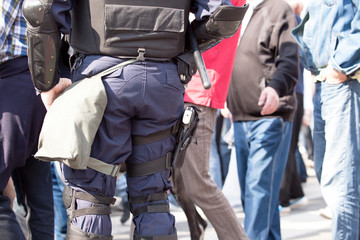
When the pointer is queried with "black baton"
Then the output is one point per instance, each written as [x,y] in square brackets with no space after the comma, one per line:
[199,61]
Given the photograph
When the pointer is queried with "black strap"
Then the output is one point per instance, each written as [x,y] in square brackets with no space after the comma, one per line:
[140,140]
[161,237]
[93,198]
[155,208]
[150,198]
[151,167]
[94,210]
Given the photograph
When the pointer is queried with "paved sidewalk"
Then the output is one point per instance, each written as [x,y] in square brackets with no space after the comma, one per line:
[301,223]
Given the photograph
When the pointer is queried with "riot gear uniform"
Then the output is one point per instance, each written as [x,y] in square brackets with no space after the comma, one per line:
[145,102]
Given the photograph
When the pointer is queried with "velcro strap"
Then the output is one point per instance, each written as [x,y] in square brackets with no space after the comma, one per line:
[150,198]
[162,237]
[93,198]
[94,210]
[140,140]
[155,208]
[151,167]
[106,168]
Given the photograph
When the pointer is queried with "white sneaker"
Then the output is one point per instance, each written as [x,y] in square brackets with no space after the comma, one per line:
[284,210]
[299,202]
[326,212]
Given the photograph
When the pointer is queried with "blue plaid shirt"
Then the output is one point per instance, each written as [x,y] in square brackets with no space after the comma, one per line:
[12,30]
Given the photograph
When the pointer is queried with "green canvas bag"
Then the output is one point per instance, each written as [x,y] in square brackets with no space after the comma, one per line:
[72,121]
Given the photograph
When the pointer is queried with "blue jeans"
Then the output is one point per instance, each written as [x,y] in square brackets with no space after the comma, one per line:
[61,218]
[300,166]
[120,190]
[262,148]
[214,163]
[219,151]
[337,153]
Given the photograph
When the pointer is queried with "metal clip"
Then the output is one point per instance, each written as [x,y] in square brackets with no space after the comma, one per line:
[78,61]
[141,56]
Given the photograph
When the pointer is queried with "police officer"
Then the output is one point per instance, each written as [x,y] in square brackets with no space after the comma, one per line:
[145,98]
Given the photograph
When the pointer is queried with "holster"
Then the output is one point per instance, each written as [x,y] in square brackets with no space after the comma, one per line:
[186,66]
[186,134]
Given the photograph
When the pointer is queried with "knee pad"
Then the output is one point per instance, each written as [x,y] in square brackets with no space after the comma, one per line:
[152,207]
[69,198]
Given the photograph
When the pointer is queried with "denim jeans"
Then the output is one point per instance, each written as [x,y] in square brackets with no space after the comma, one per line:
[262,148]
[300,166]
[337,153]
[61,217]
[219,151]
[214,162]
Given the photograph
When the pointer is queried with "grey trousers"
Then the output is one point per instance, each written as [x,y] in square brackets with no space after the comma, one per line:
[199,186]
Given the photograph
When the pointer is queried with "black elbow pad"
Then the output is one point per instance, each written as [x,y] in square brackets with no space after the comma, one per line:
[43,44]
[223,23]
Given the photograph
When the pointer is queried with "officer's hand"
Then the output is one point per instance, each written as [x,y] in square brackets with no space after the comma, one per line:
[49,96]
[269,99]
[332,76]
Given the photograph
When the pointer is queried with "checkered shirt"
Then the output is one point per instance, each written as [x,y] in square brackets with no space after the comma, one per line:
[12,30]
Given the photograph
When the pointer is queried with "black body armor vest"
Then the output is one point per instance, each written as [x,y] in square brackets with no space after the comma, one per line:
[122,28]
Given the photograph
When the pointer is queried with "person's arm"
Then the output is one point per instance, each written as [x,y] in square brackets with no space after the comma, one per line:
[286,64]
[269,99]
[285,77]
[45,20]
[49,97]
[345,59]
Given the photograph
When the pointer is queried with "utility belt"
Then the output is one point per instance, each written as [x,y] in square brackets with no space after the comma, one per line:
[185,63]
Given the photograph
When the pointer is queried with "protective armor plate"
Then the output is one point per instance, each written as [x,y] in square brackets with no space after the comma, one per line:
[223,23]
[43,44]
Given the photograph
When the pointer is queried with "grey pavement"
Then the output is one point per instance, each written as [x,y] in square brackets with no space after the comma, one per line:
[301,223]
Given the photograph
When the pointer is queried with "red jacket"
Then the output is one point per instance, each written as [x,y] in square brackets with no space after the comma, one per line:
[219,62]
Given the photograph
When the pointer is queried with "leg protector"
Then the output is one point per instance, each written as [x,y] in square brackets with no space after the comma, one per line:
[151,208]
[69,198]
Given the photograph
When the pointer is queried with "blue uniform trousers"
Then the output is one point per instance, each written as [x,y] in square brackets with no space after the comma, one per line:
[143,98]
